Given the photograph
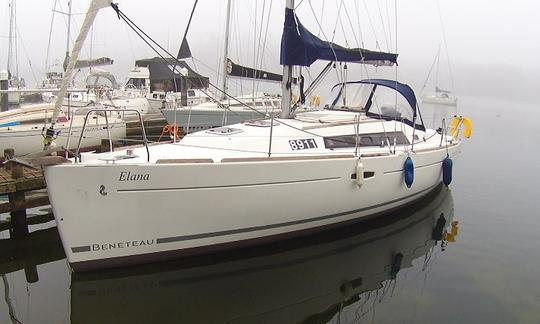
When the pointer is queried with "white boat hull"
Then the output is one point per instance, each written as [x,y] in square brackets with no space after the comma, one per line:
[447,101]
[27,140]
[278,283]
[146,212]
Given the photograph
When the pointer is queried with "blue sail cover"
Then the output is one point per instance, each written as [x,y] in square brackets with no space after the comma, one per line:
[302,48]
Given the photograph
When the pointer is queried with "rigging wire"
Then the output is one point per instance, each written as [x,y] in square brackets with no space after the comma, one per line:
[377,45]
[383,27]
[445,42]
[431,69]
[17,32]
[50,37]
[338,20]
[148,40]
[357,10]
[265,36]
[389,27]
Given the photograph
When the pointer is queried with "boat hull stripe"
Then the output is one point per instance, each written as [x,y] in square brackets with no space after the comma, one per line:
[86,248]
[229,186]
[271,226]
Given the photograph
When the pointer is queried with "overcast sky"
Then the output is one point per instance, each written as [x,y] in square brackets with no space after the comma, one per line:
[487,34]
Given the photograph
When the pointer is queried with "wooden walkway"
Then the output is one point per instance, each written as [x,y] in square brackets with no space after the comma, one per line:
[15,181]
[31,179]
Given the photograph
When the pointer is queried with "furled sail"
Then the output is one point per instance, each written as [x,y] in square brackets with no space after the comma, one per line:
[171,68]
[239,71]
[81,64]
[300,47]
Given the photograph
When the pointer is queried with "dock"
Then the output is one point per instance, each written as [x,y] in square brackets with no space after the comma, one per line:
[17,181]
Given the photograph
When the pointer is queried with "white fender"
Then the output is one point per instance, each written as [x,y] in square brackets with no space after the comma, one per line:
[359,173]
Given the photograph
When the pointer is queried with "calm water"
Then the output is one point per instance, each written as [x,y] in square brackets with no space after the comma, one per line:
[482,266]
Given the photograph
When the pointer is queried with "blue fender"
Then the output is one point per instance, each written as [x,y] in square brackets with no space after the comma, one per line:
[408,172]
[447,170]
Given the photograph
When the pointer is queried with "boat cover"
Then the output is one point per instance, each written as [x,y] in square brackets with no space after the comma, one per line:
[170,68]
[301,47]
[236,70]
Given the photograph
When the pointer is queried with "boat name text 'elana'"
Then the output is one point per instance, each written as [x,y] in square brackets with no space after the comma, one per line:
[128,176]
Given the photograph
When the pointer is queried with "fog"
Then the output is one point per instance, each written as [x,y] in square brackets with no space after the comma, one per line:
[492,46]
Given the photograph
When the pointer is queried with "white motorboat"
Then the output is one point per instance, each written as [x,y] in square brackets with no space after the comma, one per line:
[366,153]
[167,82]
[103,88]
[230,111]
[22,129]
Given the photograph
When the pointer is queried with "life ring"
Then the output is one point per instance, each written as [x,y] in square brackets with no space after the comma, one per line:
[456,124]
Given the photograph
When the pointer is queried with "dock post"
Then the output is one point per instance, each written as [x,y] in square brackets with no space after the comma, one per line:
[19,226]
[4,103]
[9,153]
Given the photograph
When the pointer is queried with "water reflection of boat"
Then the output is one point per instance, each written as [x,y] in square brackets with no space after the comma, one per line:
[302,280]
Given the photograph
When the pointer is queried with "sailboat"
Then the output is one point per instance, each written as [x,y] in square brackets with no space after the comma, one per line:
[15,82]
[438,96]
[368,152]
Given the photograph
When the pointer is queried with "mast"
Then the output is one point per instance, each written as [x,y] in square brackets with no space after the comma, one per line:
[10,37]
[49,41]
[66,59]
[287,79]
[437,70]
[226,50]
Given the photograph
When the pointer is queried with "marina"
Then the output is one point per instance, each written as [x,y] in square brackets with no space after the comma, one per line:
[199,190]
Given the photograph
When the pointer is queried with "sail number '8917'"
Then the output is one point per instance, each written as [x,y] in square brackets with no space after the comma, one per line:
[303,144]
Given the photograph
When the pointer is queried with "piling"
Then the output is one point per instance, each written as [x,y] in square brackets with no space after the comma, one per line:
[19,227]
[15,181]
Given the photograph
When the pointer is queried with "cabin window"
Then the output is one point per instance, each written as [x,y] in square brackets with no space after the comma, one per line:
[136,82]
[191,93]
[268,103]
[258,103]
[365,140]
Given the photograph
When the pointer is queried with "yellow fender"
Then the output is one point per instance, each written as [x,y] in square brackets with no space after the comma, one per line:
[315,101]
[457,122]
[467,123]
